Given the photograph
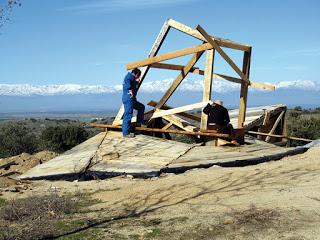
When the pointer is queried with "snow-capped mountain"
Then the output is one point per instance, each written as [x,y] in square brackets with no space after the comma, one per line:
[51,90]
[299,84]
[73,97]
[157,86]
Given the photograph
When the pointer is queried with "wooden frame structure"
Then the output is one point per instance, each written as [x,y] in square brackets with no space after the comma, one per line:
[210,46]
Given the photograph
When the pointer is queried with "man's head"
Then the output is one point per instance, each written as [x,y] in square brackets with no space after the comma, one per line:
[218,102]
[136,72]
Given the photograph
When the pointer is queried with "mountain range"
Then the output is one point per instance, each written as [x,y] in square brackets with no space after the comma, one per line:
[75,97]
[147,87]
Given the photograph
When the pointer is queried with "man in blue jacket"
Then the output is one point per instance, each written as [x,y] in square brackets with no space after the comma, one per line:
[130,102]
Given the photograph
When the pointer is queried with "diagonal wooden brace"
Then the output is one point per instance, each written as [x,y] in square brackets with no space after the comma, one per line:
[222,53]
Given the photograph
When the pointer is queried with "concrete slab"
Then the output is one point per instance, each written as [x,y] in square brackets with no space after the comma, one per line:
[69,164]
[207,156]
[142,155]
[109,154]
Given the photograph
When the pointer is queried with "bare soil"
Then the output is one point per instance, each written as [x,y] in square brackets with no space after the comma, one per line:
[14,166]
[273,200]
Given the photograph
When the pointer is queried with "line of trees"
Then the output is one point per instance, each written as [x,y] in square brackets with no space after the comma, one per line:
[303,123]
[15,138]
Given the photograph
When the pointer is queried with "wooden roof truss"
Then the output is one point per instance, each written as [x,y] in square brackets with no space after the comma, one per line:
[209,46]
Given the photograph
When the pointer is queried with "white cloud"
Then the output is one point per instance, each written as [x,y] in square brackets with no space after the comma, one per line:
[101,6]
[147,87]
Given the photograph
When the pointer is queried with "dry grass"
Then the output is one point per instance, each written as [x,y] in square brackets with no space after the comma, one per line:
[256,217]
[38,207]
[37,217]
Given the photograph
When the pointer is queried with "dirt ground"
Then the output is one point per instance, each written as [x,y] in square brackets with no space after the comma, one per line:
[273,200]
[14,166]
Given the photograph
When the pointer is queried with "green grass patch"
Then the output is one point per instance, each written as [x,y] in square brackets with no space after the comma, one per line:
[156,232]
[91,233]
[65,225]
[2,202]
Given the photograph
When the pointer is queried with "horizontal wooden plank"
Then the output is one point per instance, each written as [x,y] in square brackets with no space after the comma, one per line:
[109,126]
[183,114]
[160,113]
[170,55]
[280,136]
[167,66]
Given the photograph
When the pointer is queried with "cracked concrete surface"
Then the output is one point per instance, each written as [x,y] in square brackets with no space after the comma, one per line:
[109,154]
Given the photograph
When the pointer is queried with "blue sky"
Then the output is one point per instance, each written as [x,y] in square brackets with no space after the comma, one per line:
[91,41]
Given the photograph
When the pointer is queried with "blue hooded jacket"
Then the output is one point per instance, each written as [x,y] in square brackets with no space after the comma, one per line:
[129,83]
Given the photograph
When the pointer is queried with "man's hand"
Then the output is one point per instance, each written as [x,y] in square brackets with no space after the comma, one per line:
[131,93]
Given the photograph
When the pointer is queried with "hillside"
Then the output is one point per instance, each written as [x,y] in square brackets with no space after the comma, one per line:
[274,200]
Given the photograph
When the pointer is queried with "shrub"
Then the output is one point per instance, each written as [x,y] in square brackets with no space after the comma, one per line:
[297,108]
[303,127]
[16,139]
[62,138]
[36,217]
[31,208]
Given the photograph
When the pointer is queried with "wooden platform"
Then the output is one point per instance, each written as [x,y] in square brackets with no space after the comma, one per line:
[108,154]
[254,115]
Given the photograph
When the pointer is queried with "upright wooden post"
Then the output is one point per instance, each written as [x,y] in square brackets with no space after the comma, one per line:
[153,52]
[207,86]
[244,89]
[285,126]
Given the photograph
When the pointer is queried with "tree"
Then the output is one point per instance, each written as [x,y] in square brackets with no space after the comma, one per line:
[6,9]
[16,139]
[62,138]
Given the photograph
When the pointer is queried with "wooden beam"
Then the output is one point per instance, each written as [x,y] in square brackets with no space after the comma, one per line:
[243,105]
[153,52]
[183,114]
[262,86]
[214,44]
[167,66]
[285,125]
[179,79]
[163,131]
[280,136]
[161,113]
[207,86]
[266,118]
[244,89]
[196,70]
[194,33]
[180,123]
[134,119]
[168,125]
[275,125]
[170,55]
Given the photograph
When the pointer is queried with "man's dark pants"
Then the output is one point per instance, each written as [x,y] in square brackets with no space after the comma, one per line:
[129,105]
